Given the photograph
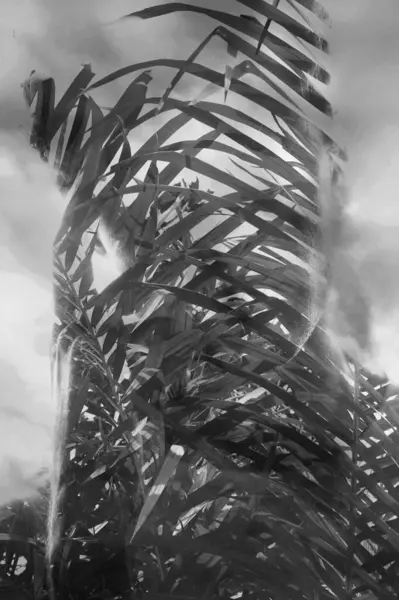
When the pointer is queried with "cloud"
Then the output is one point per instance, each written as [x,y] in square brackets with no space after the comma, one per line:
[364,46]
[54,38]
[30,210]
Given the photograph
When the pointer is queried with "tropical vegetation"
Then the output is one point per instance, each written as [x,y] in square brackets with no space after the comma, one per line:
[214,449]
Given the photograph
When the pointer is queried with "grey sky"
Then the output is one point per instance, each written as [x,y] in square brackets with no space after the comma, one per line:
[55,37]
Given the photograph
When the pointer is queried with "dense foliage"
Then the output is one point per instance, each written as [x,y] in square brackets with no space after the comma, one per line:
[214,449]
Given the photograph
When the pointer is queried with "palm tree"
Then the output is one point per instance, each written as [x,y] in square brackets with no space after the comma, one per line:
[213,448]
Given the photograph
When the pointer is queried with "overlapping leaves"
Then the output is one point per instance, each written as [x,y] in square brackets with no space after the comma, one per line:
[214,448]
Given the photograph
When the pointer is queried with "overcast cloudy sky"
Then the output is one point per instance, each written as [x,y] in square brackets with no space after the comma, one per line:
[55,38]
[364,89]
